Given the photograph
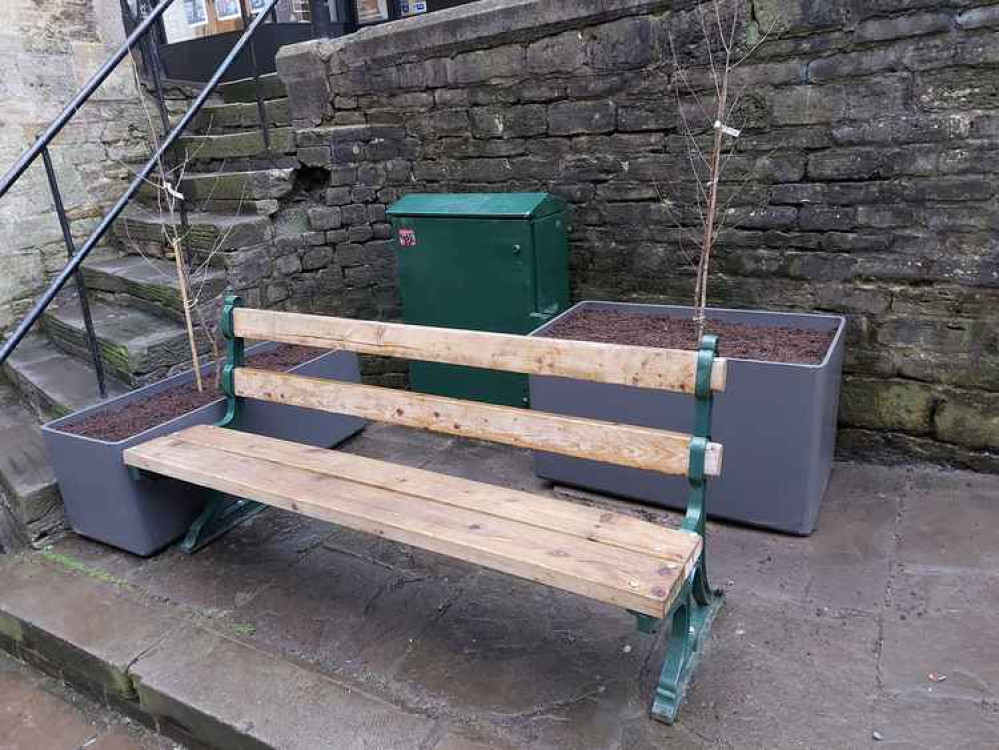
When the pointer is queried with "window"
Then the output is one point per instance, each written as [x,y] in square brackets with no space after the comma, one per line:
[257,5]
[196,12]
[372,11]
[226,9]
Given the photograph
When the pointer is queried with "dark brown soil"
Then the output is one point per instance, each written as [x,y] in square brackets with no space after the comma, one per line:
[735,340]
[138,416]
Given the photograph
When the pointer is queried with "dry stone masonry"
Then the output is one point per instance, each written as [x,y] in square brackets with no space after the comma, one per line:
[870,139]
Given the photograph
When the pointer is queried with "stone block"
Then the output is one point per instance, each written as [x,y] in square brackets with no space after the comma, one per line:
[337,196]
[887,405]
[343,175]
[643,117]
[956,89]
[628,43]
[288,265]
[317,257]
[820,218]
[359,233]
[322,218]
[355,213]
[978,18]
[904,26]
[558,53]
[315,156]
[483,65]
[968,418]
[571,118]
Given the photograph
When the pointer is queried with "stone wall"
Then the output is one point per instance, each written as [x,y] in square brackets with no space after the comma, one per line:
[870,133]
[47,51]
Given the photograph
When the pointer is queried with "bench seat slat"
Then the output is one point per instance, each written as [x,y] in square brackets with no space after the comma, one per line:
[616,529]
[622,444]
[641,366]
[593,569]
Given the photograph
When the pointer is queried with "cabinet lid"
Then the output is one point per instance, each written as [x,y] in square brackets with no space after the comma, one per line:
[478,205]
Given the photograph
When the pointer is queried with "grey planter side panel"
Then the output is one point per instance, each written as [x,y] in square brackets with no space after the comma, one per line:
[777,423]
[105,503]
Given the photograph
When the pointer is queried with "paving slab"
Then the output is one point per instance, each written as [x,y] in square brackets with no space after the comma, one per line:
[822,642]
[235,697]
[79,624]
[40,713]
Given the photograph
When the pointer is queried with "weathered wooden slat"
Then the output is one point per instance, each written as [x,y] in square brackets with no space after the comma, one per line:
[616,529]
[646,367]
[598,571]
[625,445]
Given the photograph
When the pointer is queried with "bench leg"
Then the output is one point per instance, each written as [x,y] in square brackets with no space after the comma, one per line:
[221,514]
[690,625]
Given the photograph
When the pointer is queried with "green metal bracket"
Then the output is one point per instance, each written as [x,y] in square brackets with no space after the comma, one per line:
[694,610]
[223,512]
[690,625]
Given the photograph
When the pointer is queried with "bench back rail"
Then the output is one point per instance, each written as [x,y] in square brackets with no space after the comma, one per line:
[642,366]
[622,444]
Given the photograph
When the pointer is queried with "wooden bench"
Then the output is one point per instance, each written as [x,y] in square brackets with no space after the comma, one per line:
[657,573]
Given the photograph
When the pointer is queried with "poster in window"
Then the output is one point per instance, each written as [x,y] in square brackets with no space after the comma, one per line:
[195,12]
[413,7]
[226,9]
[372,11]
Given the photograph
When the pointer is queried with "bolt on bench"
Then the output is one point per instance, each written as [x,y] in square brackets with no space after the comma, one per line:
[657,573]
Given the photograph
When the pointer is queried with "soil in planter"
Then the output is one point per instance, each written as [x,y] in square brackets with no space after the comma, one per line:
[139,416]
[735,340]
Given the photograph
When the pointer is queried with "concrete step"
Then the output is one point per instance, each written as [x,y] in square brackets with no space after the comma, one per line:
[222,118]
[151,284]
[140,229]
[31,507]
[51,381]
[136,347]
[245,144]
[244,89]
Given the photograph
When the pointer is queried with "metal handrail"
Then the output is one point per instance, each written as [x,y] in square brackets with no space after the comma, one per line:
[40,147]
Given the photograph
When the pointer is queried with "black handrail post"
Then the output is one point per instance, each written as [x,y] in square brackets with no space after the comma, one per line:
[261,109]
[81,286]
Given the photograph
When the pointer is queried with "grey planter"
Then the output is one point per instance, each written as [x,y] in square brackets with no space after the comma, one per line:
[104,503]
[776,421]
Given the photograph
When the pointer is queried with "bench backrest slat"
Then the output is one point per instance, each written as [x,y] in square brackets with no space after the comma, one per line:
[646,367]
[625,445]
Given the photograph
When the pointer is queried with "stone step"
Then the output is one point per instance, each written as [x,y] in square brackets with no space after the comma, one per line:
[136,347]
[141,230]
[242,145]
[151,284]
[29,496]
[244,89]
[222,118]
[53,382]
[251,192]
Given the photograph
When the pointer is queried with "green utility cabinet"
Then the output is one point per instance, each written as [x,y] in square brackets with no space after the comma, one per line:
[483,261]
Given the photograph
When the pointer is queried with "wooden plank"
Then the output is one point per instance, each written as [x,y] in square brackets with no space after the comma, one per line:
[598,571]
[616,529]
[625,445]
[645,367]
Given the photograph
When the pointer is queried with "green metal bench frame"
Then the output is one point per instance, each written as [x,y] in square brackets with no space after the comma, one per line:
[689,621]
